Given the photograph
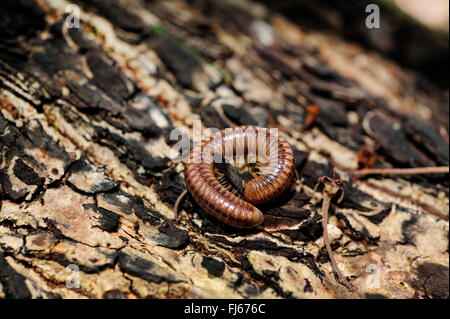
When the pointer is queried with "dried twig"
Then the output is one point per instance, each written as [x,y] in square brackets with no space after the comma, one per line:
[177,203]
[331,188]
[399,171]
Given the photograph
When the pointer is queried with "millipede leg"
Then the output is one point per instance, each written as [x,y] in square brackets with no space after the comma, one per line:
[297,177]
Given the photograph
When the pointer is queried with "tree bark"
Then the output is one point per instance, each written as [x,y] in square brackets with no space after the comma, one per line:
[88,182]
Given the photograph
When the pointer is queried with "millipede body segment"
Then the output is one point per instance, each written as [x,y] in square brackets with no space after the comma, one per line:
[269,151]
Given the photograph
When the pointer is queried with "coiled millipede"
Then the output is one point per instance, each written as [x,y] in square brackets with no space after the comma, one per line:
[273,158]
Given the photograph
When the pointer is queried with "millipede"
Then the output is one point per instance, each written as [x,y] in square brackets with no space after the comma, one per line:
[270,153]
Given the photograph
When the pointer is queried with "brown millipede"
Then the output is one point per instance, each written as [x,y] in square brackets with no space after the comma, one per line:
[276,164]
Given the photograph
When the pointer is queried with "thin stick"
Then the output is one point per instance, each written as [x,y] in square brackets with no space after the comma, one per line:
[400,171]
[325,208]
[177,203]
[297,175]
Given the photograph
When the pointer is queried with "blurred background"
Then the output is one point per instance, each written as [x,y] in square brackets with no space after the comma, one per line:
[414,33]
